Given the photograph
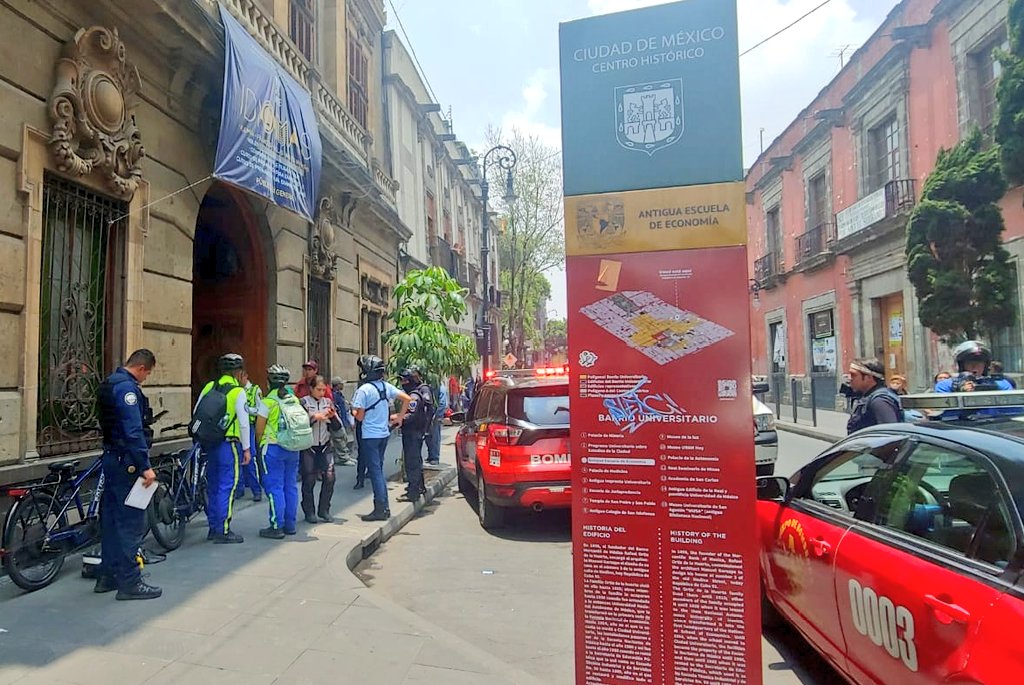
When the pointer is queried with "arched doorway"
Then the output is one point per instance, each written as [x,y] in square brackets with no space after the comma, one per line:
[229,286]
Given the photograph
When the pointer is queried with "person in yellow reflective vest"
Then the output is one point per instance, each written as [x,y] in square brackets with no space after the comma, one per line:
[226,458]
[281,465]
[252,474]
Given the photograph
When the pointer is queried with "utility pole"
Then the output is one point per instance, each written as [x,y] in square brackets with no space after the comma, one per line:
[505,159]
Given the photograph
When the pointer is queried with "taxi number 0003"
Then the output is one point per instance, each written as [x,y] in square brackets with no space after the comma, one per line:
[887,625]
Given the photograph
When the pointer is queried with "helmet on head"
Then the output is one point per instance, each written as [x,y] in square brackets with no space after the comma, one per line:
[372,366]
[411,374]
[278,375]
[972,351]
[230,362]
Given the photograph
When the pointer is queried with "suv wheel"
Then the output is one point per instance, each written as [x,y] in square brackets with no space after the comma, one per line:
[491,515]
[464,485]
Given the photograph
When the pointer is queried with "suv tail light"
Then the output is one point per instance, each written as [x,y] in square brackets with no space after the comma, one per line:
[505,435]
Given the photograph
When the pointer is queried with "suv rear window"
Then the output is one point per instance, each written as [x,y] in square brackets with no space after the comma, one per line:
[541,406]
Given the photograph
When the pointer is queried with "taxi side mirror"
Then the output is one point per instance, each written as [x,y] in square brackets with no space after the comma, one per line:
[458,417]
[760,387]
[772,489]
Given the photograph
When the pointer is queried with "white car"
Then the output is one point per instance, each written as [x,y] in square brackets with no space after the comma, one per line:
[766,440]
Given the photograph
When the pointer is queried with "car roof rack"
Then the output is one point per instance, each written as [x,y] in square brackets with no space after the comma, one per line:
[963,400]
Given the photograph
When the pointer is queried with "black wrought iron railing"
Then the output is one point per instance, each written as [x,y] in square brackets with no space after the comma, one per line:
[816,241]
[767,267]
[899,197]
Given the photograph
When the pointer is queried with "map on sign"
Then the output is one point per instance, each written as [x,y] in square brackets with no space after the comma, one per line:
[646,323]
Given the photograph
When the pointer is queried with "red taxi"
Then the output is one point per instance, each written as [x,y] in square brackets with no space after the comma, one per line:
[898,552]
[513,447]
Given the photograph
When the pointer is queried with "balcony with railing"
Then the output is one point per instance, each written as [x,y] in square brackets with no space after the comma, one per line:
[332,114]
[768,270]
[875,215]
[815,247]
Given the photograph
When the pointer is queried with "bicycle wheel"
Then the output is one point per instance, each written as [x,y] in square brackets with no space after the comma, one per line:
[27,560]
[167,517]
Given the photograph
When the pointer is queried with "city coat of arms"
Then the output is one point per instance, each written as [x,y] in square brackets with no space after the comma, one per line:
[649,116]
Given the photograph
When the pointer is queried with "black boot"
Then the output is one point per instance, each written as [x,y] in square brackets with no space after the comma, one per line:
[310,518]
[325,516]
[359,484]
[228,538]
[377,515]
[140,591]
[104,584]
[272,533]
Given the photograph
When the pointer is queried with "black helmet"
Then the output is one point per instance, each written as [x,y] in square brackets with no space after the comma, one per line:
[411,374]
[230,362]
[372,366]
[278,375]
[971,351]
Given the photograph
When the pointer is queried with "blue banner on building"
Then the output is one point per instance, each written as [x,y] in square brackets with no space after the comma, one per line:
[269,142]
[651,98]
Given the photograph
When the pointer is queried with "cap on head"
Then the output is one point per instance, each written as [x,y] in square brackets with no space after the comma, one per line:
[337,380]
[311,364]
[230,363]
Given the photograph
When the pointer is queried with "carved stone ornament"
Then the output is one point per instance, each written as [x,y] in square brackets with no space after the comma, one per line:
[91,111]
[323,257]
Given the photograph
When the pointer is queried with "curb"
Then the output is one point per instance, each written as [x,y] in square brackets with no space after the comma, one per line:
[808,431]
[373,540]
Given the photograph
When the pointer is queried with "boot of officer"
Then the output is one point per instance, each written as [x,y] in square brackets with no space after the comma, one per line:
[225,460]
[125,458]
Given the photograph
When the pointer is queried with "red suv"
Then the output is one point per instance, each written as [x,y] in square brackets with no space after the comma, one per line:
[513,449]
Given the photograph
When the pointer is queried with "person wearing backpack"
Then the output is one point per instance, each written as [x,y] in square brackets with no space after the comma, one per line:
[371,407]
[220,424]
[414,431]
[279,431]
[317,462]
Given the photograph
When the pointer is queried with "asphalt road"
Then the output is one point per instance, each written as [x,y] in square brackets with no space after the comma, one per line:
[510,593]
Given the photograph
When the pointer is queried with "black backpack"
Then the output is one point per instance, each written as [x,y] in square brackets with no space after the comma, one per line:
[209,424]
[423,414]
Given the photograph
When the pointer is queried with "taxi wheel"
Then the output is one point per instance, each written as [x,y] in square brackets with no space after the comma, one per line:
[464,485]
[491,515]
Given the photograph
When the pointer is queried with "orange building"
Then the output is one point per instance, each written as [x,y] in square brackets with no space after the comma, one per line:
[828,201]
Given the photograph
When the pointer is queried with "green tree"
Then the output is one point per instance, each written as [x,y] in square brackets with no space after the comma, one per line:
[955,257]
[1009,125]
[530,239]
[428,303]
[555,336]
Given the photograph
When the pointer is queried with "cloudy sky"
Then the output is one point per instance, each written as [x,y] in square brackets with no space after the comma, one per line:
[495,62]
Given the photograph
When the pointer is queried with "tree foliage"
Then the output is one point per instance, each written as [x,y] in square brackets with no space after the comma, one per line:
[556,335]
[531,242]
[428,303]
[1009,125]
[955,258]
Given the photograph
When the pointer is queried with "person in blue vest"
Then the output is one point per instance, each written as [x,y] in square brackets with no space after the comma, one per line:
[251,472]
[225,459]
[123,411]
[434,434]
[371,407]
[281,466]
[972,361]
[875,403]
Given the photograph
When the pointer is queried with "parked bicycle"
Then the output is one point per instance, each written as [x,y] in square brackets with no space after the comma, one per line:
[180,495]
[48,521]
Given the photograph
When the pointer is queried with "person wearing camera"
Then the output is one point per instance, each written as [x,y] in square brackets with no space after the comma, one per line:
[874,403]
[973,360]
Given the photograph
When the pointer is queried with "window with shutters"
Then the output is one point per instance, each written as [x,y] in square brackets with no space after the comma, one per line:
[884,154]
[302,27]
[358,80]
[80,311]
[318,324]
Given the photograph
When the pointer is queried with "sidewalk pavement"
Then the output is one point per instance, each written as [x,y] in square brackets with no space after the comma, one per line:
[260,613]
[831,425]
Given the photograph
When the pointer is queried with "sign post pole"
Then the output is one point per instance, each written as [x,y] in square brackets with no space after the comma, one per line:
[664,526]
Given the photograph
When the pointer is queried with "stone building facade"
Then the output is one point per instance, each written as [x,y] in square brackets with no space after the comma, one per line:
[439,195]
[114,235]
[829,199]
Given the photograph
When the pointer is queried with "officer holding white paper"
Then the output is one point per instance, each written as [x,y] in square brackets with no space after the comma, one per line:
[123,413]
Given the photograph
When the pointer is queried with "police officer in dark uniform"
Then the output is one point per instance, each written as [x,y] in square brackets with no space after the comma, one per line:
[124,411]
[875,403]
[414,431]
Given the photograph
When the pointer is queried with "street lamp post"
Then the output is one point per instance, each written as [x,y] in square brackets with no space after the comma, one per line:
[505,158]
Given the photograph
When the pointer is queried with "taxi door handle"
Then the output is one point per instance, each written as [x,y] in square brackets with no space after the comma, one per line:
[820,547]
[943,608]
